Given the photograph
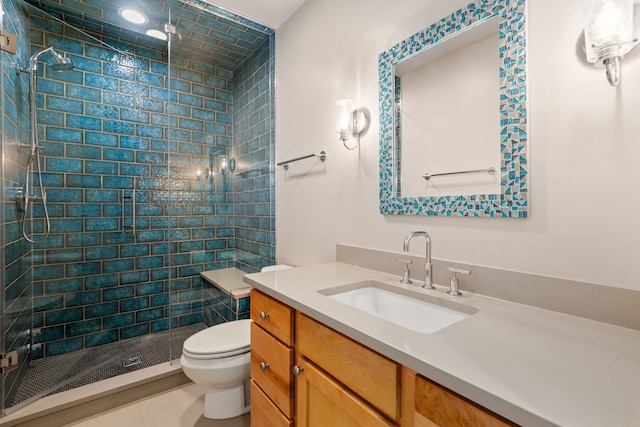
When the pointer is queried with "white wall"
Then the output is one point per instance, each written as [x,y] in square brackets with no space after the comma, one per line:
[584,140]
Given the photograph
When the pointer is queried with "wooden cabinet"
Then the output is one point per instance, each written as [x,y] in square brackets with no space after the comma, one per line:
[322,401]
[271,363]
[340,382]
[273,316]
[372,377]
[272,357]
[264,412]
[437,406]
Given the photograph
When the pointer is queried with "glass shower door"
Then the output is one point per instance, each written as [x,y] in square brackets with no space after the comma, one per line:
[199,137]
[16,283]
[100,280]
[136,143]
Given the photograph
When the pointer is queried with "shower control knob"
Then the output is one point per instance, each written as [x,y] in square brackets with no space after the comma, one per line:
[297,370]
[264,366]
[264,315]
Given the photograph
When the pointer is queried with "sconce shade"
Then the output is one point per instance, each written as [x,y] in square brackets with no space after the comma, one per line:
[350,121]
[344,110]
[609,33]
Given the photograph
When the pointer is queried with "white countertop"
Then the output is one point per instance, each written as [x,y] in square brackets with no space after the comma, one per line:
[533,366]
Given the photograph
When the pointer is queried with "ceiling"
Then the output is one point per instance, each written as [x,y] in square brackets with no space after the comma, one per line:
[271,13]
[205,32]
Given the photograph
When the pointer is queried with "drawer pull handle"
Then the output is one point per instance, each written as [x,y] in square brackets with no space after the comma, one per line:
[264,315]
[264,366]
[297,370]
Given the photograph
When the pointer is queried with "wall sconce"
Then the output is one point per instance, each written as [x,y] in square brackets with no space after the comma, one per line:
[350,122]
[610,32]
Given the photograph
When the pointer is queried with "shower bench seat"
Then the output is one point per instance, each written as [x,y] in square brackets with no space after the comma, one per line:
[228,292]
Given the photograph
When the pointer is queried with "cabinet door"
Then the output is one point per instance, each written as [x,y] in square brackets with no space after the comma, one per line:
[437,406]
[322,402]
[371,376]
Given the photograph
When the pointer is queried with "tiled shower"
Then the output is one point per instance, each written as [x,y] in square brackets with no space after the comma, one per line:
[136,136]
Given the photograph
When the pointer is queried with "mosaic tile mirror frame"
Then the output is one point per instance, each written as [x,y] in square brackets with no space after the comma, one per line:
[512,201]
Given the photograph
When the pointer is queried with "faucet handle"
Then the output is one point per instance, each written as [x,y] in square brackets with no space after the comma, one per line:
[458,270]
[454,289]
[405,271]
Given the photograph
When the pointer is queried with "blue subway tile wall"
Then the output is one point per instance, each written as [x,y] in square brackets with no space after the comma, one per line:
[220,307]
[112,134]
[253,196]
[17,288]
[121,123]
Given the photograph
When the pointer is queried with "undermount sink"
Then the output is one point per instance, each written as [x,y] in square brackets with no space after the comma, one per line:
[419,312]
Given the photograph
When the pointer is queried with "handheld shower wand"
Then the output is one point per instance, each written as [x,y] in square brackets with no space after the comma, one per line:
[59,63]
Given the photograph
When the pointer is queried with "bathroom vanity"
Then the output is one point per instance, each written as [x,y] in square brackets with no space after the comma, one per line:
[318,361]
[338,381]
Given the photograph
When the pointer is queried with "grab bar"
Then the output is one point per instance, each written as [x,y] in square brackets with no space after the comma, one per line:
[122,227]
[322,156]
[133,210]
[490,171]
[131,227]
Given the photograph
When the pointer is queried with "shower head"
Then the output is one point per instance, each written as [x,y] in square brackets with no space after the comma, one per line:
[57,63]
[60,62]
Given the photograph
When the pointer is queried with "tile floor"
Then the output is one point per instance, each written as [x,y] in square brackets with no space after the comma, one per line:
[56,374]
[179,407]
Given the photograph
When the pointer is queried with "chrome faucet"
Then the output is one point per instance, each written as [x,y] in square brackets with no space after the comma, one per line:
[428,281]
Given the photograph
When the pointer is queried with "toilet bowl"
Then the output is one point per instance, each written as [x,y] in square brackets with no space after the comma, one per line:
[219,359]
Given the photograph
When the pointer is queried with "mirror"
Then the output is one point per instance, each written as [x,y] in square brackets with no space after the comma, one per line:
[453,116]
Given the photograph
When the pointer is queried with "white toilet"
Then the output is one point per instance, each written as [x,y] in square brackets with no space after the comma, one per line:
[219,358]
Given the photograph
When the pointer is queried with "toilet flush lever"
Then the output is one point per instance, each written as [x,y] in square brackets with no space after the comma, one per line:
[454,288]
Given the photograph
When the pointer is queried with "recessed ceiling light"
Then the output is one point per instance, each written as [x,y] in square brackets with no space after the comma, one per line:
[157,34]
[133,16]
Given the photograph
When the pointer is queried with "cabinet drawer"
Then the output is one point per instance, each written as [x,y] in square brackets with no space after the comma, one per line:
[447,409]
[371,376]
[263,412]
[273,316]
[271,363]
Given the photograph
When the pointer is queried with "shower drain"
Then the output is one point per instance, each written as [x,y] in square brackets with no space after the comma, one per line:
[132,361]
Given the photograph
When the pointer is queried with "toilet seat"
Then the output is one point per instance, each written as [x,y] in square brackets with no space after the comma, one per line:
[223,340]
